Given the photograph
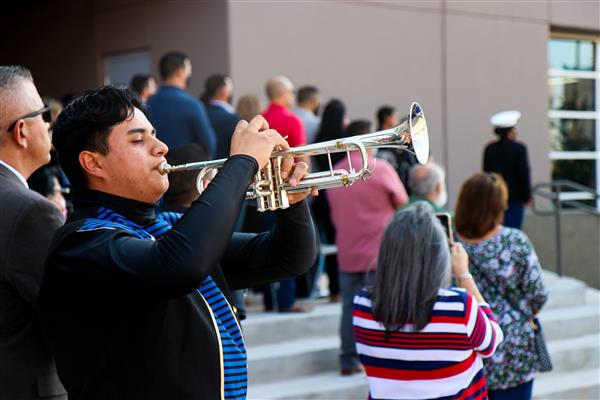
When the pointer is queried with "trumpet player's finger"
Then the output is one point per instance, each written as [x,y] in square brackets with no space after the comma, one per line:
[240,126]
[300,170]
[286,166]
[279,143]
[259,123]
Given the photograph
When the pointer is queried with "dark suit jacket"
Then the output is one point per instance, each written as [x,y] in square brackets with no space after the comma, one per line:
[223,123]
[27,224]
[179,119]
[509,159]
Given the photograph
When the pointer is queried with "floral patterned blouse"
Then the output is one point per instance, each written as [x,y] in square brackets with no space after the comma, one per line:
[508,274]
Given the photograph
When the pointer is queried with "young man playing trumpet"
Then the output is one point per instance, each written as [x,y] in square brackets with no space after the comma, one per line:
[137,305]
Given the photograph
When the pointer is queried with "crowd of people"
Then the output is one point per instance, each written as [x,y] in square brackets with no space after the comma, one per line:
[119,281]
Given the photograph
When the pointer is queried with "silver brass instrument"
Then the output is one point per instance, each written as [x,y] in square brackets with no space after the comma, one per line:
[271,190]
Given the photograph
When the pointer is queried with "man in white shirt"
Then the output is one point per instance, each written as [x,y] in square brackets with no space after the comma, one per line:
[27,225]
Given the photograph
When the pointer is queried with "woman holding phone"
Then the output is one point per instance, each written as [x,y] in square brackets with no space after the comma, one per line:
[506,267]
[411,328]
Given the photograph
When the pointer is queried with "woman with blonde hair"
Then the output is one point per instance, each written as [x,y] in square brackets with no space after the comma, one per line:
[505,265]
[248,106]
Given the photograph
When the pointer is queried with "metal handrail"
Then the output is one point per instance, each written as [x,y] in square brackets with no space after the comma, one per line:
[554,191]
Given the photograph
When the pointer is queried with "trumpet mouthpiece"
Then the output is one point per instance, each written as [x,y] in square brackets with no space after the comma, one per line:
[164,168]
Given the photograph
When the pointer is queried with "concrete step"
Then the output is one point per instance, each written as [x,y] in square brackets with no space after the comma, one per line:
[323,320]
[569,322]
[572,354]
[283,361]
[563,291]
[295,356]
[581,384]
[269,328]
[327,386]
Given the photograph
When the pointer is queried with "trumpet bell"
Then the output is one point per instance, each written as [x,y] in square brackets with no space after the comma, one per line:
[418,133]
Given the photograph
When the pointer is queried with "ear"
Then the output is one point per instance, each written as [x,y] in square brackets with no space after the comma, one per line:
[91,163]
[438,188]
[20,134]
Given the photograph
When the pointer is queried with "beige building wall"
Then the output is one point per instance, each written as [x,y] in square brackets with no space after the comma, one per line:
[362,54]
[495,64]
[462,60]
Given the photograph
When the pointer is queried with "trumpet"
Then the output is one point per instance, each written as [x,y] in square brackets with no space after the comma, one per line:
[271,191]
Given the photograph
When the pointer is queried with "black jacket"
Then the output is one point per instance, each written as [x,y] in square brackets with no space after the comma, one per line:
[509,159]
[224,124]
[122,313]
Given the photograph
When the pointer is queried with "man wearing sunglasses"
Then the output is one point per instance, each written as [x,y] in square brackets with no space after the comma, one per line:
[28,222]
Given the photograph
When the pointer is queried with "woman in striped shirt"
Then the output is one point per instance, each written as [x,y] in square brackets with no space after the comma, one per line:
[417,338]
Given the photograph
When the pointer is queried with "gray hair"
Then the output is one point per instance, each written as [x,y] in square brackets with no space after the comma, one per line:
[11,77]
[423,179]
[11,74]
[413,264]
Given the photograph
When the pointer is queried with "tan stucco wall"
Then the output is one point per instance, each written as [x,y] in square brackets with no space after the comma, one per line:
[462,61]
[495,64]
[366,56]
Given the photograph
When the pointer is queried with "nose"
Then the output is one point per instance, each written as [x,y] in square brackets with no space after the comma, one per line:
[159,149]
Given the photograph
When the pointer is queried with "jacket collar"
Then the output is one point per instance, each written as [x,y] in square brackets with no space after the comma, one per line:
[139,212]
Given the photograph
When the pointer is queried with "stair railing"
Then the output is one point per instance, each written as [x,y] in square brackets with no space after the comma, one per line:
[555,192]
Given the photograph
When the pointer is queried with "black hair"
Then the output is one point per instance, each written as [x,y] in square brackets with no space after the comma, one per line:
[332,122]
[170,63]
[212,85]
[139,82]
[306,93]
[502,132]
[331,128]
[42,181]
[86,123]
[382,113]
[359,127]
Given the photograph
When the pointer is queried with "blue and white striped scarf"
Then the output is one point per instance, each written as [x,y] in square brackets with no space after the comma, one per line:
[234,350]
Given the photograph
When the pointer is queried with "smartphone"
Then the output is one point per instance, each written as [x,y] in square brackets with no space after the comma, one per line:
[446,221]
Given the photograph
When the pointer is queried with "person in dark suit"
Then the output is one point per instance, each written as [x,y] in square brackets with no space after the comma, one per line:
[508,157]
[218,91]
[179,118]
[27,225]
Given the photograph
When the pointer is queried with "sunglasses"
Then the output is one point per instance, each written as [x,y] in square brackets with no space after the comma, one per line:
[45,112]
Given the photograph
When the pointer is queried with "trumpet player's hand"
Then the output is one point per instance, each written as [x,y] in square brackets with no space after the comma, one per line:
[256,140]
[296,172]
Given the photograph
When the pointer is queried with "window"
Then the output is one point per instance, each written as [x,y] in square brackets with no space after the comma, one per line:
[574,110]
[120,68]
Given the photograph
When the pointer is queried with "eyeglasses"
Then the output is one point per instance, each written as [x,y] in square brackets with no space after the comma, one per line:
[46,113]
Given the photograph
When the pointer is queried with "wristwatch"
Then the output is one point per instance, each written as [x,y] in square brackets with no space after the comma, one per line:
[464,277]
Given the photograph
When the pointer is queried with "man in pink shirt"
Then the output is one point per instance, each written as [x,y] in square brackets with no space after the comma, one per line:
[360,215]
[280,92]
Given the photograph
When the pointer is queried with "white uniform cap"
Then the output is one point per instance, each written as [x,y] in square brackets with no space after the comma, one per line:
[505,119]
